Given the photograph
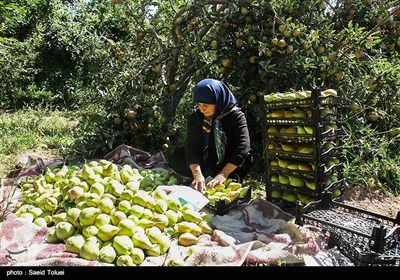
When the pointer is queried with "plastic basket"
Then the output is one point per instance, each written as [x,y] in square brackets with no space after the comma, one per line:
[366,238]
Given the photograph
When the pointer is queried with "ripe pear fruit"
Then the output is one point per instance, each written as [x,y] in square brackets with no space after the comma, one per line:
[160,206]
[124,260]
[289,196]
[51,203]
[272,129]
[206,227]
[133,186]
[60,217]
[124,206]
[283,163]
[296,182]
[75,192]
[274,162]
[116,188]
[141,241]
[107,232]
[64,230]
[336,193]
[305,150]
[88,215]
[276,194]
[274,178]
[284,180]
[243,191]
[293,166]
[161,221]
[153,234]
[305,167]
[175,262]
[89,250]
[90,230]
[136,210]
[288,147]
[74,243]
[233,195]
[299,113]
[117,216]
[301,130]
[105,205]
[107,254]
[123,245]
[127,227]
[40,222]
[51,236]
[174,204]
[145,223]
[187,239]
[97,188]
[137,256]
[291,130]
[140,198]
[311,185]
[160,194]
[147,214]
[101,220]
[309,129]
[191,216]
[154,251]
[92,199]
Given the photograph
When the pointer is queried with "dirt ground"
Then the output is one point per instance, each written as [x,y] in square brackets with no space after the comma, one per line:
[377,201]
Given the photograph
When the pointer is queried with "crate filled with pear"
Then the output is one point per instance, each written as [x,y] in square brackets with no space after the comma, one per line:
[224,197]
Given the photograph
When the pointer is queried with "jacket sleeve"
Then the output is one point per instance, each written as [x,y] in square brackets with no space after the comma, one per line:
[194,140]
[241,139]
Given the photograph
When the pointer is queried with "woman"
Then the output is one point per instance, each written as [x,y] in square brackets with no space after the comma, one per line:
[217,142]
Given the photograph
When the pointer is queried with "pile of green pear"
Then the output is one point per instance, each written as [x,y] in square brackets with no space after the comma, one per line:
[229,191]
[108,213]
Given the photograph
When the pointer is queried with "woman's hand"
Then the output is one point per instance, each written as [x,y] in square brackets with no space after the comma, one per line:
[199,183]
[217,180]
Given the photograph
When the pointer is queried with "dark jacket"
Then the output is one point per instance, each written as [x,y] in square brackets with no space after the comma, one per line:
[238,143]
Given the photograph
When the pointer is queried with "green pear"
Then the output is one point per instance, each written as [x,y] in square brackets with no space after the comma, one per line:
[133,186]
[89,250]
[116,188]
[187,239]
[234,186]
[88,216]
[90,230]
[296,181]
[124,206]
[124,260]
[127,227]
[51,203]
[86,172]
[123,245]
[105,205]
[107,232]
[127,194]
[41,222]
[299,113]
[101,220]
[64,230]
[97,188]
[191,216]
[305,150]
[141,241]
[289,197]
[107,254]
[51,236]
[172,217]
[206,227]
[98,170]
[134,219]
[92,163]
[173,204]
[160,206]
[311,185]
[274,178]
[140,198]
[309,130]
[154,251]
[136,210]
[336,193]
[145,223]
[35,211]
[137,256]
[60,217]
[92,199]
[161,221]
[160,194]
[150,202]
[283,163]
[276,194]
[153,234]
[110,196]
[74,243]
[284,180]
[147,214]
[305,167]
[301,130]
[175,262]
[117,216]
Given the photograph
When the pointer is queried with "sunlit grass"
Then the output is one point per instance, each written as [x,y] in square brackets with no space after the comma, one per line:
[35,131]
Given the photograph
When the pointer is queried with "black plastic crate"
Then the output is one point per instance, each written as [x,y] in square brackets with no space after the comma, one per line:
[221,207]
[366,238]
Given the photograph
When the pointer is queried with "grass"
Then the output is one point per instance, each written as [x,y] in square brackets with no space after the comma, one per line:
[35,131]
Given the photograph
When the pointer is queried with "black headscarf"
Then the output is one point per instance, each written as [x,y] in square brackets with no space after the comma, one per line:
[210,91]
